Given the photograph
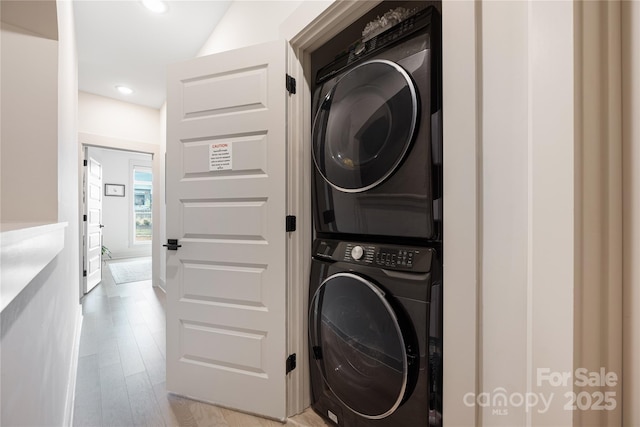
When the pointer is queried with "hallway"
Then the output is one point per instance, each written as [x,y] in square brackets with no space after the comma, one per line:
[121,367]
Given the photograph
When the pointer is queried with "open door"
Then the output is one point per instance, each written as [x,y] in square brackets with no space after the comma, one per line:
[92,224]
[226,202]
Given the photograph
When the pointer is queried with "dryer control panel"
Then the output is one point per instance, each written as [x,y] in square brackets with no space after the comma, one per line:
[361,48]
[389,257]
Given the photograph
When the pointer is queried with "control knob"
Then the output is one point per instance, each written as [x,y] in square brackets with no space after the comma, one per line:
[357,252]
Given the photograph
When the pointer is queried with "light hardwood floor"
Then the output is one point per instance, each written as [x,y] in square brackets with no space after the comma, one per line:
[121,369]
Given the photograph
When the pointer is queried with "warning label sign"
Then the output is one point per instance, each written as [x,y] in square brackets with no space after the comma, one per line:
[220,156]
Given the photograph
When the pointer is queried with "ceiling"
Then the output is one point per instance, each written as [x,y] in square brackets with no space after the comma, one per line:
[120,42]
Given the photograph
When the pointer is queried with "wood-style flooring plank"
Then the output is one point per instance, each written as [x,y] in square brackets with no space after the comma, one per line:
[130,357]
[88,378]
[308,419]
[88,409]
[116,410]
[144,408]
[143,336]
[88,403]
[88,347]
[156,368]
[119,318]
[161,341]
[152,358]
[134,316]
[235,418]
[108,352]
[208,415]
[174,409]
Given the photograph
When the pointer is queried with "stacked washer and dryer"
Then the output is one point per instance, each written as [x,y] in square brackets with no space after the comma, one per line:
[375,295]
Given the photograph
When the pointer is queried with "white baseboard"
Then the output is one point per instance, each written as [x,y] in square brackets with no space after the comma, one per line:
[134,253]
[71,385]
[162,285]
[121,257]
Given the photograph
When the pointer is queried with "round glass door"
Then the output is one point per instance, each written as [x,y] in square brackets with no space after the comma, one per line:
[358,345]
[365,125]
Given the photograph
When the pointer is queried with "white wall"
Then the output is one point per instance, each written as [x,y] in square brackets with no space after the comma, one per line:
[117,215]
[462,205]
[29,155]
[247,23]
[39,327]
[505,203]
[631,220]
[546,124]
[103,116]
[527,219]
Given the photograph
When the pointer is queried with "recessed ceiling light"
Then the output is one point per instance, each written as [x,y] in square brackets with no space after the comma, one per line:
[124,90]
[156,6]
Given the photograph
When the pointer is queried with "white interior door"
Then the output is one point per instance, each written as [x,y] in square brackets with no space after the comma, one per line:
[93,225]
[226,179]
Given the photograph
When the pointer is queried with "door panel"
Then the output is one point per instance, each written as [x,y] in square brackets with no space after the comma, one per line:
[226,285]
[217,283]
[93,229]
[242,90]
[240,219]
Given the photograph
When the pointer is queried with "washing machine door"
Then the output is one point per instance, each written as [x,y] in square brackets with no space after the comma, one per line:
[358,345]
[364,126]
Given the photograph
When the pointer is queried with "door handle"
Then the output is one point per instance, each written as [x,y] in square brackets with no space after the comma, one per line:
[101,226]
[172,245]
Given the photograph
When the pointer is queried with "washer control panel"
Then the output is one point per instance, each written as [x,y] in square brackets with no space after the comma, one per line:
[358,252]
[391,257]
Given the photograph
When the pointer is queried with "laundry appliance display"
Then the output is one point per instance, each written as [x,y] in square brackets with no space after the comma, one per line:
[376,291]
[375,334]
[377,140]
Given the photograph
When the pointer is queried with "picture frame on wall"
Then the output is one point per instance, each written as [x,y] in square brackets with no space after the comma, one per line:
[114,190]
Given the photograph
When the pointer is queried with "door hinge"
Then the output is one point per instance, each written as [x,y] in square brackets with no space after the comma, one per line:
[84,273]
[291,85]
[291,362]
[84,218]
[85,163]
[290,223]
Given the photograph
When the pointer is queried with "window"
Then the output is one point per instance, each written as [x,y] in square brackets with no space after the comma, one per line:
[142,178]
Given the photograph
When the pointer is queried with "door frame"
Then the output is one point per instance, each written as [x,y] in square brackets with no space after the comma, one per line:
[306,29]
[99,141]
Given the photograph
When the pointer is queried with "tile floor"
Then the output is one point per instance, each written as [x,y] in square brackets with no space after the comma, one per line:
[121,367]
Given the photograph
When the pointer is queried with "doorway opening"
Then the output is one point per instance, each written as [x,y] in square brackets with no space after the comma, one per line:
[127,213]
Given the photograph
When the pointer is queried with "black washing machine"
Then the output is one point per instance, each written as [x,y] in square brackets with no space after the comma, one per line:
[377,140]
[375,334]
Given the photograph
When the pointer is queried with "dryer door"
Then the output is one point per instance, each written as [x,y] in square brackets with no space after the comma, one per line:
[365,125]
[358,345]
